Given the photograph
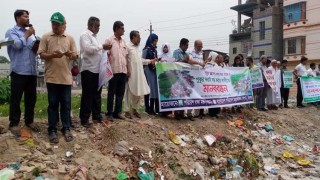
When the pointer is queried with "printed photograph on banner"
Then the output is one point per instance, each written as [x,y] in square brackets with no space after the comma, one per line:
[182,86]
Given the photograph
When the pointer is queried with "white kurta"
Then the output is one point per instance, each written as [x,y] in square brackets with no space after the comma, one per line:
[137,82]
[272,97]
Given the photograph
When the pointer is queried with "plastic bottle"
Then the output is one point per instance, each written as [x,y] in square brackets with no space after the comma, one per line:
[199,170]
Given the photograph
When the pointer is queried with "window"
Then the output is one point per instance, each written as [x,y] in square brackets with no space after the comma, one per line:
[292,46]
[262,29]
[261,53]
[295,12]
[234,51]
[295,45]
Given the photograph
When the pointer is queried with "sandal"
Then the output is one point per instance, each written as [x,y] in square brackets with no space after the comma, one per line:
[53,138]
[15,130]
[33,127]
[136,114]
[68,135]
[128,115]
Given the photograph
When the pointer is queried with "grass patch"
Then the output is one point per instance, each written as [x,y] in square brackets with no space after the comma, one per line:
[40,110]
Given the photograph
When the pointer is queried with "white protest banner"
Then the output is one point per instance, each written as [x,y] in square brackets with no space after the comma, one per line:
[310,89]
[182,86]
[105,71]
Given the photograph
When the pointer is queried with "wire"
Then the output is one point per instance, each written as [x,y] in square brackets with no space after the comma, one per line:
[194,22]
[192,27]
[202,14]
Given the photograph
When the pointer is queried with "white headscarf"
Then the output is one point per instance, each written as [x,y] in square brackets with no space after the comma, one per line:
[213,55]
[166,56]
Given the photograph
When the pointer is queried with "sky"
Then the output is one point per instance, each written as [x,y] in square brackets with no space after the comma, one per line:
[207,20]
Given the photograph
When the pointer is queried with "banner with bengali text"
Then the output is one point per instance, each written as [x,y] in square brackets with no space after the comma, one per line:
[287,79]
[256,78]
[182,86]
[310,89]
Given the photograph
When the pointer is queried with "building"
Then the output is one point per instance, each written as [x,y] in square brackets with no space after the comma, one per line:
[261,33]
[301,30]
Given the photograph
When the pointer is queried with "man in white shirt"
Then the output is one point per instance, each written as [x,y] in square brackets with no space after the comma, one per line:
[312,70]
[262,92]
[91,52]
[197,55]
[299,71]
[137,85]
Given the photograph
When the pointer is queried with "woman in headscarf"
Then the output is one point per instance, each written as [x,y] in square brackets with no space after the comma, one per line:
[151,101]
[215,60]
[166,55]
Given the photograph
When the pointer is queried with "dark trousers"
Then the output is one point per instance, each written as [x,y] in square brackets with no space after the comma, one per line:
[299,93]
[91,97]
[284,95]
[147,103]
[261,96]
[22,84]
[117,86]
[59,94]
[214,111]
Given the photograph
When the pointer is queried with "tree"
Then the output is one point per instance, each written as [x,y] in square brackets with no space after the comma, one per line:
[4,60]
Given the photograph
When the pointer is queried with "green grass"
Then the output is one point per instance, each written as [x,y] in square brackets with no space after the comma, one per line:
[40,109]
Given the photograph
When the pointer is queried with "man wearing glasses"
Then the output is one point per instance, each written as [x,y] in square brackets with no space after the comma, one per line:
[57,49]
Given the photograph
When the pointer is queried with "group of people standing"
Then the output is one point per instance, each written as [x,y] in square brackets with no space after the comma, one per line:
[134,73]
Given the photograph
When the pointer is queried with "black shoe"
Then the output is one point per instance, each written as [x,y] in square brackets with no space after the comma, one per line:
[191,118]
[119,116]
[110,118]
[86,125]
[286,106]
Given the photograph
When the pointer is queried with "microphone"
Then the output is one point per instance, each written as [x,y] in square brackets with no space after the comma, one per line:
[28,25]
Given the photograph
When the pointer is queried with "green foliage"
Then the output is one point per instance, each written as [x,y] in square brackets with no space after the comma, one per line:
[4,60]
[40,110]
[4,90]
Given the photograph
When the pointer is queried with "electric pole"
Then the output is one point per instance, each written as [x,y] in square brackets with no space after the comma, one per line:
[151,30]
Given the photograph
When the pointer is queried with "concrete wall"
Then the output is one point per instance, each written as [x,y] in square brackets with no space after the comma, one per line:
[309,27]
[265,44]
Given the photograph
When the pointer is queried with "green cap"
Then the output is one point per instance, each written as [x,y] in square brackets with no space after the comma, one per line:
[57,17]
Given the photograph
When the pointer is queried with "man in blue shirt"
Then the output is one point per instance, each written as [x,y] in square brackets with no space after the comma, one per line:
[181,55]
[22,54]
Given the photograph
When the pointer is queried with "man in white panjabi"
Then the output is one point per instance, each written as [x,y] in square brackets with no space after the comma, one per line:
[274,98]
[137,85]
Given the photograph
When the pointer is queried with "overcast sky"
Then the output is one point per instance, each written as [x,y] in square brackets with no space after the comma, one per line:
[208,20]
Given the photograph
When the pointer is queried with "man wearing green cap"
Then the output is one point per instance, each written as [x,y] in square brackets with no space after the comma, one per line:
[57,49]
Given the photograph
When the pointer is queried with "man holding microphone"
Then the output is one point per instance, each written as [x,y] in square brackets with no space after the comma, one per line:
[22,54]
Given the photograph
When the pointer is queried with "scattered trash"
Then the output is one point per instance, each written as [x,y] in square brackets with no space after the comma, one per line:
[69,154]
[150,154]
[122,176]
[160,173]
[307,148]
[268,127]
[39,178]
[6,174]
[232,161]
[122,149]
[143,175]
[30,143]
[173,138]
[210,139]
[287,154]
[199,143]
[80,173]
[199,170]
[239,169]
[315,149]
[25,133]
[303,162]
[270,169]
[288,138]
[238,122]
[14,166]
